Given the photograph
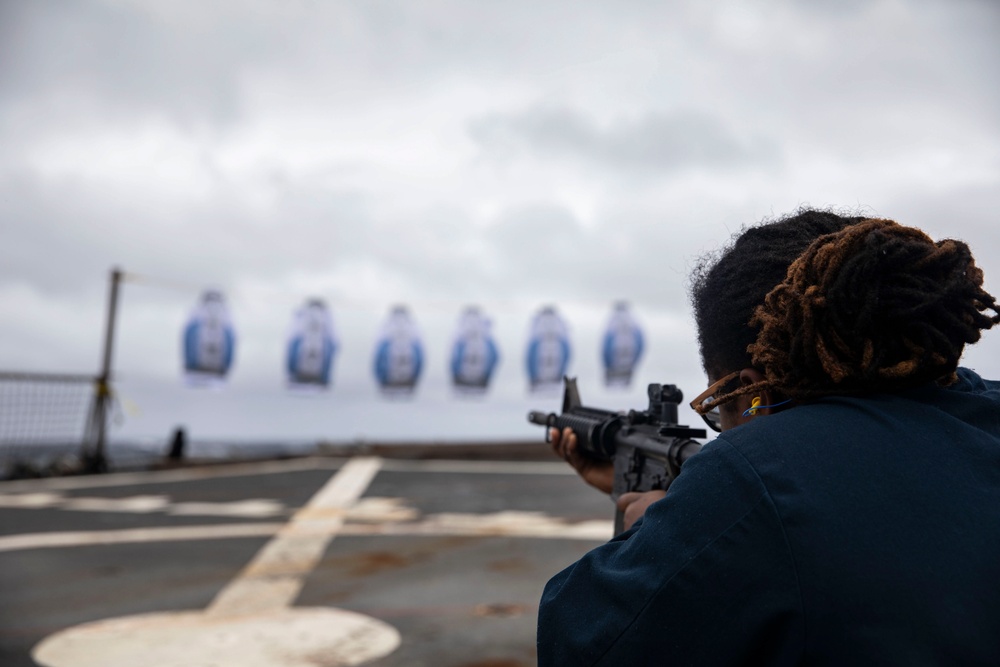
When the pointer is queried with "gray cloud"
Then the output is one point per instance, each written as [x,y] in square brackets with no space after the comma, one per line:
[123,56]
[61,236]
[547,254]
[197,63]
[663,142]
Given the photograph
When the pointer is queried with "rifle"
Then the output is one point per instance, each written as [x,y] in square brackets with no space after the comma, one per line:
[647,447]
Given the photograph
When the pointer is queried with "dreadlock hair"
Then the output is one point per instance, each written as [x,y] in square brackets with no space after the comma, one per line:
[727,288]
[874,307]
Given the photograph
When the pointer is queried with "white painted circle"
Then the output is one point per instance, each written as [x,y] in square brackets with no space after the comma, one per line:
[297,637]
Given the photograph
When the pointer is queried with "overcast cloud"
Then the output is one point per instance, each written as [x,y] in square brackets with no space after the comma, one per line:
[649,145]
[513,155]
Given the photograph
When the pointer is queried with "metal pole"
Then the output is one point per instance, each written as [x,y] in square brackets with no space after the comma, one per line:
[109,329]
[95,460]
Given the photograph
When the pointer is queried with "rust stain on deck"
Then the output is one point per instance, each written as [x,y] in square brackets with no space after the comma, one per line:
[499,610]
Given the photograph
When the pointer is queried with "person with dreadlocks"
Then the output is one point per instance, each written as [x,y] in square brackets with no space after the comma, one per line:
[849,511]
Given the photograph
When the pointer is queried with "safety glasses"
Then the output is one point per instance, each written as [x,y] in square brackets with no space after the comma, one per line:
[706,405]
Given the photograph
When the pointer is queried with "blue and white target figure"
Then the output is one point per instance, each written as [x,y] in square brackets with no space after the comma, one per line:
[548,350]
[399,353]
[474,353]
[312,345]
[622,347]
[209,341]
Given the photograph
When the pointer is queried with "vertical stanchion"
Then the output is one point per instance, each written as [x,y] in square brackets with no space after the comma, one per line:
[94,458]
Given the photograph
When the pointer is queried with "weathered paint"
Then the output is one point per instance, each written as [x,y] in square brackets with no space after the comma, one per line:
[274,577]
[132,535]
[395,523]
[250,623]
[311,637]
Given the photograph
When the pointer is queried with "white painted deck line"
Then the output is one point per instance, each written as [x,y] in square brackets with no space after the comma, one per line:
[470,525]
[136,535]
[503,524]
[480,467]
[273,579]
[167,476]
[272,467]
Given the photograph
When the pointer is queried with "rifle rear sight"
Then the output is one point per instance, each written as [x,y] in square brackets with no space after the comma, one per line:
[599,431]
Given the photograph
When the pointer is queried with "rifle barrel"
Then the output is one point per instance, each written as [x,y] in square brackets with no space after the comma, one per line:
[540,418]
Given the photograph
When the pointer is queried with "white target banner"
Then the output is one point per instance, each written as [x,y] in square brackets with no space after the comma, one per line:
[312,345]
[399,353]
[622,346]
[548,350]
[474,352]
[209,341]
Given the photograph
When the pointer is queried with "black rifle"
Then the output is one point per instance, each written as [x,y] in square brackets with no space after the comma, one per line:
[647,448]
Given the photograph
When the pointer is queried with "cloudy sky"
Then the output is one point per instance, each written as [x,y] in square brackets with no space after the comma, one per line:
[443,153]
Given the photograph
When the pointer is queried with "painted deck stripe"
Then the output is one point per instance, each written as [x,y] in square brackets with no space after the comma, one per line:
[597,530]
[273,578]
[273,467]
[480,467]
[82,538]
[193,473]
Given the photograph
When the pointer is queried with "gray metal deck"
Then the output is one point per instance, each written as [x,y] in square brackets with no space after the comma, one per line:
[311,562]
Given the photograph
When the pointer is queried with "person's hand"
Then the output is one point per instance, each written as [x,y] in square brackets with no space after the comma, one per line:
[634,503]
[599,474]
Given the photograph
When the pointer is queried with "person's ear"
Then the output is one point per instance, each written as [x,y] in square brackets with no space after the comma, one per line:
[750,376]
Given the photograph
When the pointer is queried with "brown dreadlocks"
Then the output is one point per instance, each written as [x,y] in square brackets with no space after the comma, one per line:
[873,307]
